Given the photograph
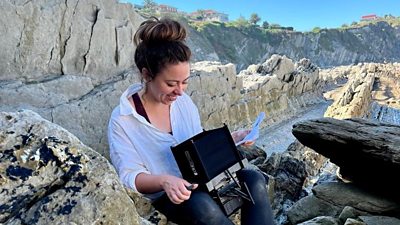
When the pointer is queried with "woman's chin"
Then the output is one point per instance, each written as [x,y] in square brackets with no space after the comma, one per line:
[168,101]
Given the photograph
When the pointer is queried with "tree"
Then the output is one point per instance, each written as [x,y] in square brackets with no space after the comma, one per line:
[275,26]
[316,30]
[254,18]
[241,22]
[265,25]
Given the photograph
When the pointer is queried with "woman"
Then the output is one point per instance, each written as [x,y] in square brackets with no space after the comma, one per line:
[157,114]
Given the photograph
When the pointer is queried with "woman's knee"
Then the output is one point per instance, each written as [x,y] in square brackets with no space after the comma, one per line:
[206,210]
[252,177]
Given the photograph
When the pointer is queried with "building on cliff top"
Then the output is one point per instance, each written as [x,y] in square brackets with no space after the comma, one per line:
[369,17]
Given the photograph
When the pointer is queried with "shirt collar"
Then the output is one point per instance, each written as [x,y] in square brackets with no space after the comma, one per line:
[125,106]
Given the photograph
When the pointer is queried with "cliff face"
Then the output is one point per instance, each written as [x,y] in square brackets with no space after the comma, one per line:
[378,42]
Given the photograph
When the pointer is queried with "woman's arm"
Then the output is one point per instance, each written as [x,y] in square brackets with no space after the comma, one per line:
[175,187]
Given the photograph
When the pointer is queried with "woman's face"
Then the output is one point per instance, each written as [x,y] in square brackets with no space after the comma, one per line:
[169,83]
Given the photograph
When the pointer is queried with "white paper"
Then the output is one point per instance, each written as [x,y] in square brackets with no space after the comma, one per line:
[254,133]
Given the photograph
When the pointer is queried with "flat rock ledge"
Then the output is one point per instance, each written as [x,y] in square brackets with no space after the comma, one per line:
[367,152]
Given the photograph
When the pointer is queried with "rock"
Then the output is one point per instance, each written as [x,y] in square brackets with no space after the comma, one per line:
[342,201]
[379,220]
[289,174]
[252,152]
[367,152]
[355,98]
[347,194]
[310,207]
[281,66]
[49,177]
[353,222]
[384,113]
[321,220]
[350,212]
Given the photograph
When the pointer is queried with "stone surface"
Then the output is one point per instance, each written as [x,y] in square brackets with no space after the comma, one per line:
[48,176]
[378,220]
[321,220]
[347,194]
[310,207]
[353,222]
[350,212]
[67,61]
[341,201]
[374,146]
[355,98]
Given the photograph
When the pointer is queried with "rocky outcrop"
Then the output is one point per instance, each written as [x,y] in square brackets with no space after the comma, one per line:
[371,91]
[279,87]
[368,156]
[374,146]
[224,97]
[326,48]
[355,98]
[49,177]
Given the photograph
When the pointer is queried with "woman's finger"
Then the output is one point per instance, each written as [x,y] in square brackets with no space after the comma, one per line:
[248,143]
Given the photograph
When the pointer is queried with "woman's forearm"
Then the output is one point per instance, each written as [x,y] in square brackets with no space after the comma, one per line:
[148,183]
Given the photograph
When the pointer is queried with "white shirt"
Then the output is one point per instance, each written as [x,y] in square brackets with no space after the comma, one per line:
[136,146]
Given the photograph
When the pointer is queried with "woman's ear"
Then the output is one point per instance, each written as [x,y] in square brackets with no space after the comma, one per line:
[146,75]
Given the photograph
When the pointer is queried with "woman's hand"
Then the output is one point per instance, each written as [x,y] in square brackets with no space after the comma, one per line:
[176,188]
[239,135]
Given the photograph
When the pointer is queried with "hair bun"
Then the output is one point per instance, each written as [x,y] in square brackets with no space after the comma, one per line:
[155,30]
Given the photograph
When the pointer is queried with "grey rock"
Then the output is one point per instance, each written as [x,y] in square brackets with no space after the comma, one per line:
[347,194]
[357,140]
[310,207]
[379,220]
[353,222]
[350,212]
[50,177]
[321,220]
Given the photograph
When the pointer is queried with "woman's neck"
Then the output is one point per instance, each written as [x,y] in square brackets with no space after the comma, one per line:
[150,101]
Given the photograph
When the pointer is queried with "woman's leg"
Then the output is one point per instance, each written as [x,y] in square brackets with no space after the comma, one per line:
[200,209]
[259,213]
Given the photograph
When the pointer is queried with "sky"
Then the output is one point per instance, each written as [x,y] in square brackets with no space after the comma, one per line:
[302,15]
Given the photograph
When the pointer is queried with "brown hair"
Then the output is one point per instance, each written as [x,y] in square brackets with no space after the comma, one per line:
[160,42]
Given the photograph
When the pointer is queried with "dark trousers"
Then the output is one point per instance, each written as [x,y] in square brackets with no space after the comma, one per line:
[201,209]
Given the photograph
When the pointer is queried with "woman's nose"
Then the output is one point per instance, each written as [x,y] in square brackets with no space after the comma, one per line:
[179,90]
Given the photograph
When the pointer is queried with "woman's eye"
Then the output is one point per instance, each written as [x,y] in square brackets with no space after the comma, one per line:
[170,85]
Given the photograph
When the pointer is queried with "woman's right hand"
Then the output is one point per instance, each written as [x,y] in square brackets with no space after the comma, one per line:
[176,188]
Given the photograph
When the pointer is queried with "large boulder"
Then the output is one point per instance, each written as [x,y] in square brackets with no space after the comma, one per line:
[367,152]
[48,176]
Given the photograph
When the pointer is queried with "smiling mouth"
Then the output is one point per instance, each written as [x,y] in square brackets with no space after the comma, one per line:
[171,98]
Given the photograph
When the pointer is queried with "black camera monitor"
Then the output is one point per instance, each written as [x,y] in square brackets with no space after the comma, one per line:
[206,155]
